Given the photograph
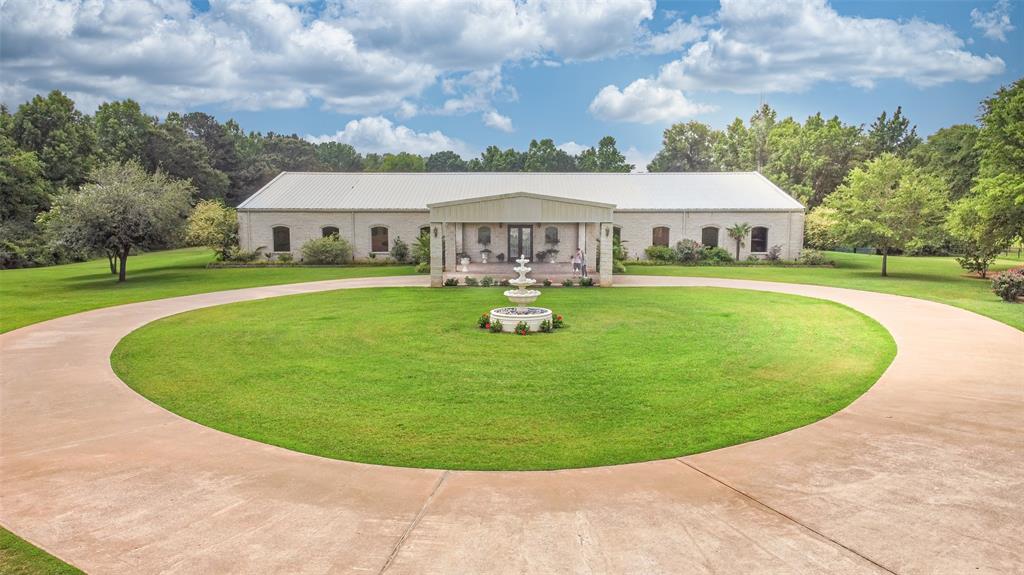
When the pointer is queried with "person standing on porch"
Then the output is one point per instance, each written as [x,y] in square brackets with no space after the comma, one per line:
[577,262]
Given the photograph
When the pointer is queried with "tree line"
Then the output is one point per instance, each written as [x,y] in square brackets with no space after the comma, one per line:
[960,190]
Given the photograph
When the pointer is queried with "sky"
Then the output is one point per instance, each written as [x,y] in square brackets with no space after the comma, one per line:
[403,75]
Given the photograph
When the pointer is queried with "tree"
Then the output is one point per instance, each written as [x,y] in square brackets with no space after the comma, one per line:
[446,161]
[887,203]
[818,228]
[338,157]
[402,162]
[731,148]
[544,156]
[122,131]
[761,125]
[978,248]
[738,233]
[24,192]
[122,208]
[892,135]
[289,153]
[171,150]
[494,159]
[215,137]
[62,138]
[952,154]
[214,225]
[606,158]
[686,147]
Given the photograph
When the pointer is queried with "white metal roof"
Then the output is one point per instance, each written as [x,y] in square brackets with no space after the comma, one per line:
[347,191]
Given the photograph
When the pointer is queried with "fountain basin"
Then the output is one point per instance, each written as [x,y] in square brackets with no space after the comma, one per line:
[511,316]
[522,297]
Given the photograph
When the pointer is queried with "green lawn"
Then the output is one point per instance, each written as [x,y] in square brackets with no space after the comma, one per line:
[639,374]
[936,279]
[19,557]
[33,295]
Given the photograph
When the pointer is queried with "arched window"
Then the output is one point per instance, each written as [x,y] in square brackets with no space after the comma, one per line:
[709,236]
[282,239]
[329,231]
[759,239]
[483,235]
[551,235]
[378,239]
[660,236]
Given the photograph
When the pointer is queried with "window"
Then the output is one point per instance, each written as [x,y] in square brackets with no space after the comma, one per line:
[709,236]
[617,233]
[282,239]
[483,235]
[759,239]
[378,239]
[551,235]
[660,236]
[424,230]
[329,231]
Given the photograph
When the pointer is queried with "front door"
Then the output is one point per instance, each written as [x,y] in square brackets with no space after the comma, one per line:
[520,242]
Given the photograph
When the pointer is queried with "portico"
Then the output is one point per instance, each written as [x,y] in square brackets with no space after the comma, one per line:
[492,229]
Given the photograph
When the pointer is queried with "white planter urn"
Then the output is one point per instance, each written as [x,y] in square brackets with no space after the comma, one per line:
[464,262]
[483,257]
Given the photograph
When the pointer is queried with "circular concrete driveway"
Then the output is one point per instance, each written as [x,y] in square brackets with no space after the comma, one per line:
[922,474]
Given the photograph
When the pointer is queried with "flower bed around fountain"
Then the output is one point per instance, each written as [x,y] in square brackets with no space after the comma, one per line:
[522,313]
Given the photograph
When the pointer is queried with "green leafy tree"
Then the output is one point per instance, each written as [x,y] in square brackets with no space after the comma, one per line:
[446,161]
[171,150]
[978,248]
[738,233]
[62,138]
[289,153]
[122,131]
[216,138]
[400,250]
[761,125]
[686,147]
[494,159]
[214,225]
[605,158]
[544,156]
[122,208]
[402,162]
[338,157]
[24,192]
[952,154]
[887,203]
[892,135]
[732,148]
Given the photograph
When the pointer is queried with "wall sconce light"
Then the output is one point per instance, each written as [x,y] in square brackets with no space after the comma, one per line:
[435,231]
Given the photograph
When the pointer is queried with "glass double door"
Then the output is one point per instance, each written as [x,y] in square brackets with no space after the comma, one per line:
[520,242]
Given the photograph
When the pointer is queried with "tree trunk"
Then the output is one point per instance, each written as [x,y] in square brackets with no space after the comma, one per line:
[885,261]
[124,264]
[112,260]
[737,250]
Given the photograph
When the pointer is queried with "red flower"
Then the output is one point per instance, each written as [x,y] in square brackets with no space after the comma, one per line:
[559,317]
[487,326]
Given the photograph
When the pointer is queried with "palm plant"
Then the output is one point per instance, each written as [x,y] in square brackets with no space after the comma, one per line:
[739,233]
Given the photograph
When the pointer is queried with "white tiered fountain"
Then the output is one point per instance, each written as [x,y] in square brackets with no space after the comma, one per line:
[522,297]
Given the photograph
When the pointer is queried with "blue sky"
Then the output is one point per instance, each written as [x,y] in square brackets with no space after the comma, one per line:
[406,76]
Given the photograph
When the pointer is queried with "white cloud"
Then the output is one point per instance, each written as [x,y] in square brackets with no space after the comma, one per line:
[678,34]
[789,45]
[995,23]
[571,147]
[644,102]
[495,120]
[376,134]
[638,159]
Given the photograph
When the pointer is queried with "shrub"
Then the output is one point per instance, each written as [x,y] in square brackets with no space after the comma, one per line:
[421,249]
[285,257]
[774,254]
[331,250]
[451,282]
[547,282]
[688,251]
[1009,285]
[586,282]
[488,281]
[240,256]
[753,258]
[715,255]
[214,225]
[662,254]
[522,328]
[977,257]
[423,268]
[400,251]
[484,321]
[618,267]
[567,282]
[471,281]
[545,326]
[504,282]
[813,258]
[495,326]
[556,321]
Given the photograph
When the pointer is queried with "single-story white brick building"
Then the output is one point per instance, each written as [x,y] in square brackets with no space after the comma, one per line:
[495,217]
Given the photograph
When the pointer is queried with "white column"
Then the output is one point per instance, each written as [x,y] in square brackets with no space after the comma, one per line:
[450,265]
[436,254]
[606,254]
